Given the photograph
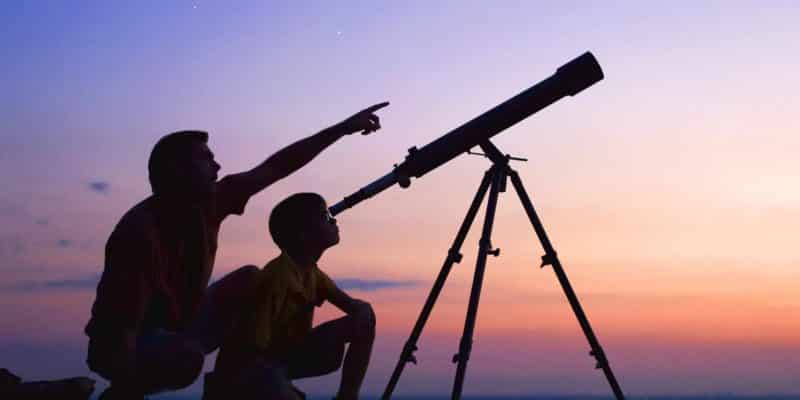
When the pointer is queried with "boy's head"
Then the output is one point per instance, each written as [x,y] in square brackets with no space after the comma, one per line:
[302,223]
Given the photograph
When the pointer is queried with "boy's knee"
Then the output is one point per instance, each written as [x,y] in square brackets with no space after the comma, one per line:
[363,324]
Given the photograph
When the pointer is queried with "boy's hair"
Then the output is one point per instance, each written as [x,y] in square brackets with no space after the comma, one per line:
[173,147]
[292,216]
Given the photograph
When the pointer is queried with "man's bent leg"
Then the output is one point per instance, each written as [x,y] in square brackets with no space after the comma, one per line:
[221,308]
[165,362]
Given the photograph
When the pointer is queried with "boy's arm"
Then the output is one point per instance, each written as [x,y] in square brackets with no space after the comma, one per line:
[351,306]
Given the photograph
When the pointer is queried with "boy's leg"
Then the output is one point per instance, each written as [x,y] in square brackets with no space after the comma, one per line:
[323,350]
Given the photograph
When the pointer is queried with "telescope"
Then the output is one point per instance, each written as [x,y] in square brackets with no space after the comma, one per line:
[569,80]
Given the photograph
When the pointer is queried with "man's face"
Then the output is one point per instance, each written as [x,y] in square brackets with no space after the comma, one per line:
[202,170]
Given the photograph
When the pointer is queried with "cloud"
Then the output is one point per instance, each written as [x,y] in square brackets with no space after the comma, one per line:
[372,285]
[78,283]
[90,282]
[101,187]
[11,208]
[11,246]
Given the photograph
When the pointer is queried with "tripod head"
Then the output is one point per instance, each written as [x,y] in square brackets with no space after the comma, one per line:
[495,155]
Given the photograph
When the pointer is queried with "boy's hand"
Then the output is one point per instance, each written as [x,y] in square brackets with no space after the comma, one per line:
[364,121]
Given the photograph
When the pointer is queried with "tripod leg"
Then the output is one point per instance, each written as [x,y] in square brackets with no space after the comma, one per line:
[453,256]
[550,258]
[484,249]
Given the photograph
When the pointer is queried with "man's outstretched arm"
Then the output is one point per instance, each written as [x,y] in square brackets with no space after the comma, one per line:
[295,156]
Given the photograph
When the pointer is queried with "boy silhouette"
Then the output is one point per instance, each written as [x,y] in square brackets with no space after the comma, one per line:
[274,341]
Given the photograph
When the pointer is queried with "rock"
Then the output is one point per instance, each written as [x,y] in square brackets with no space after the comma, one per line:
[7,379]
[12,388]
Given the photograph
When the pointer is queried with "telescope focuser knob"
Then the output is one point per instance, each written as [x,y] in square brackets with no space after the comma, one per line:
[403,181]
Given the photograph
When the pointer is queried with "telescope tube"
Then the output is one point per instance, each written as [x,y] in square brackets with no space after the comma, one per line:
[569,80]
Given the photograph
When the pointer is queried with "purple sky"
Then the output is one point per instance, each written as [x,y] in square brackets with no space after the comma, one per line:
[669,188]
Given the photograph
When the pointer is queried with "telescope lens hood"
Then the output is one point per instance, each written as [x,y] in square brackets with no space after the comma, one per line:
[580,73]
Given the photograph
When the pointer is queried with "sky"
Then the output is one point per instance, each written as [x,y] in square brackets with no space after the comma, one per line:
[669,189]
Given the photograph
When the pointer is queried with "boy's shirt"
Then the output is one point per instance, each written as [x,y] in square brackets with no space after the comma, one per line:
[282,312]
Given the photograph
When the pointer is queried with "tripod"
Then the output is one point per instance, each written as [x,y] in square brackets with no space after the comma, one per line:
[494,181]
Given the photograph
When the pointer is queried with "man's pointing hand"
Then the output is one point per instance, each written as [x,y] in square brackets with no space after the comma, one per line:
[364,121]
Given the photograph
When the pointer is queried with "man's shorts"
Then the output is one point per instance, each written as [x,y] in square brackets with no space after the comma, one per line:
[163,362]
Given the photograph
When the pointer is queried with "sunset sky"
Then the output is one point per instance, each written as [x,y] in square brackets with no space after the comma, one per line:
[669,189]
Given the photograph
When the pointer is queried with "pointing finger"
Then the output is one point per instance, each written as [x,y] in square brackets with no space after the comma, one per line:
[376,107]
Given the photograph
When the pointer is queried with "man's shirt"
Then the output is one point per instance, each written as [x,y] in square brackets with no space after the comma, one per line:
[158,261]
[281,314]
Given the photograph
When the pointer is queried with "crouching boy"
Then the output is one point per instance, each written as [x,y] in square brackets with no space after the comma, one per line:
[274,342]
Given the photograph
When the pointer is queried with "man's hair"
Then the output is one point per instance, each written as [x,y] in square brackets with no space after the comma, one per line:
[173,147]
[292,216]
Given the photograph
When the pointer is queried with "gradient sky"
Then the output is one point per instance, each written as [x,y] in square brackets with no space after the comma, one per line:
[670,189]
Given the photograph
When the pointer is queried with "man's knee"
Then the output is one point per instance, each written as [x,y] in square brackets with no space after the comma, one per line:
[232,288]
[173,371]
[246,272]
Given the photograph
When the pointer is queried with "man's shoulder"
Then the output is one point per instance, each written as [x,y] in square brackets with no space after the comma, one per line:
[232,193]
[138,222]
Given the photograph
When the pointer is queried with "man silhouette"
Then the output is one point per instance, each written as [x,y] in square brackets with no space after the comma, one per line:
[154,319]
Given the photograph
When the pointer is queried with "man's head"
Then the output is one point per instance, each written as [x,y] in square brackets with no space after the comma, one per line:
[302,223]
[181,163]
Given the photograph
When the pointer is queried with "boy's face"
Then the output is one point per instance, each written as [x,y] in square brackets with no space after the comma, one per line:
[323,228]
